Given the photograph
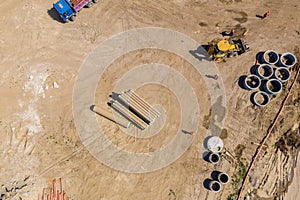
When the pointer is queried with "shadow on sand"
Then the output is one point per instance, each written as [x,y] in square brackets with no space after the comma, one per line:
[201,53]
[54,15]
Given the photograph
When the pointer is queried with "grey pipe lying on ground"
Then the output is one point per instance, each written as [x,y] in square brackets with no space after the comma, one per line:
[143,102]
[136,109]
[146,110]
[145,107]
[141,112]
[104,113]
[129,115]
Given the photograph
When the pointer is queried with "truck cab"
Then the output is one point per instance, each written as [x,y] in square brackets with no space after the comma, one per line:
[65,10]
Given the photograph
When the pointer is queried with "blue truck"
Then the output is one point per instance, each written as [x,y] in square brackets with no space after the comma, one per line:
[68,9]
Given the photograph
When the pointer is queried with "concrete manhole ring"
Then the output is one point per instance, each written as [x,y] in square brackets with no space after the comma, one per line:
[101,57]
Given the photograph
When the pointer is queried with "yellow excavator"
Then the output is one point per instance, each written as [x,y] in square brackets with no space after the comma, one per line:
[226,48]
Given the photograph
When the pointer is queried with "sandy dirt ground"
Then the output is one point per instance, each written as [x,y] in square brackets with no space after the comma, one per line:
[39,61]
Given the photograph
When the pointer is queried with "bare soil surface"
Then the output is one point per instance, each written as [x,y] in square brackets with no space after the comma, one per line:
[39,61]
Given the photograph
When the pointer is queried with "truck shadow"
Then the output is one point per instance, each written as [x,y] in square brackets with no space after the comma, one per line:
[53,14]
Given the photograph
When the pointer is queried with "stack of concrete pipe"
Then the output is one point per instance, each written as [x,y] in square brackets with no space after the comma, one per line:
[135,109]
[214,145]
[129,115]
[139,106]
[270,76]
[218,179]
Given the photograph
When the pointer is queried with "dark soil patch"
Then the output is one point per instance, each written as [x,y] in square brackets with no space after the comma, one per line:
[202,24]
[224,133]
[239,151]
[244,16]
[206,120]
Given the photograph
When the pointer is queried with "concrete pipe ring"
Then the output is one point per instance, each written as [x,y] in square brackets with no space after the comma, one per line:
[261,99]
[214,158]
[215,186]
[288,60]
[265,71]
[252,82]
[223,178]
[214,144]
[270,57]
[282,74]
[273,86]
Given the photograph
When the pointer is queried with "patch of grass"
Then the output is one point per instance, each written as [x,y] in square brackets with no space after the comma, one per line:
[237,179]
[239,151]
[284,87]
[232,197]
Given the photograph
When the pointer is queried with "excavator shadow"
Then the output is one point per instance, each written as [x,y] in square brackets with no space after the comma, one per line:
[201,53]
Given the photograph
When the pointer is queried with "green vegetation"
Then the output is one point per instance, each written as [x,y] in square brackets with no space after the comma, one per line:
[284,86]
[237,179]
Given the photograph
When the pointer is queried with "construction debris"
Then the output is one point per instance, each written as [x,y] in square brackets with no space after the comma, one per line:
[55,85]
[13,191]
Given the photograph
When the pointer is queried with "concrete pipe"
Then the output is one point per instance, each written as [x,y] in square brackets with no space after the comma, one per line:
[143,109]
[135,109]
[104,113]
[261,99]
[142,101]
[288,60]
[264,71]
[273,86]
[215,186]
[271,57]
[146,110]
[282,74]
[129,115]
[252,82]
[214,144]
[145,104]
[214,158]
[223,178]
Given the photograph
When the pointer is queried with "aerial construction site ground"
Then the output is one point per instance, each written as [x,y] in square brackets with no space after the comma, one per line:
[41,138]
